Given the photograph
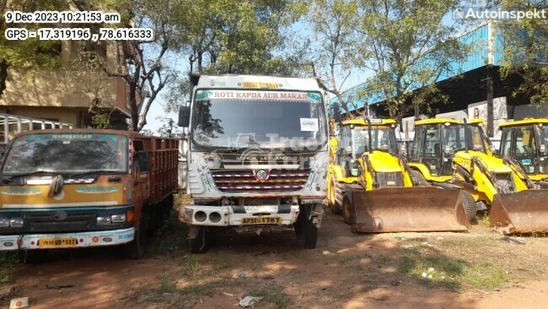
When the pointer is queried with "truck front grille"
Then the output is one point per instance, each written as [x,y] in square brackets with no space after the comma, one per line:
[63,220]
[251,181]
[45,222]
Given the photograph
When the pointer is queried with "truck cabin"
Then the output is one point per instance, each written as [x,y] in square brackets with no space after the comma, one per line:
[73,153]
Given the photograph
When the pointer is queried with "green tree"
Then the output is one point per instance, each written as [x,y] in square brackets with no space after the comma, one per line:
[238,37]
[142,64]
[404,44]
[526,50]
[168,129]
[27,55]
[334,47]
[410,48]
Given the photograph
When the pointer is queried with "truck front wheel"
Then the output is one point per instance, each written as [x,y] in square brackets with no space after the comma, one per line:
[136,248]
[307,232]
[198,244]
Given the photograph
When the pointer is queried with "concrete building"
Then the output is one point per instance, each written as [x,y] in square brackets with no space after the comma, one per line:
[69,93]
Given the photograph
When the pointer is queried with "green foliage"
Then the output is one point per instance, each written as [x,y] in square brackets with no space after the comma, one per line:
[31,54]
[101,121]
[403,43]
[9,263]
[273,295]
[410,48]
[526,51]
[193,266]
[333,50]
[438,270]
[166,285]
[239,37]
[484,221]
[168,129]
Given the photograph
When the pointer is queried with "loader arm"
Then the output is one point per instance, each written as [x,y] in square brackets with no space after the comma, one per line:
[519,172]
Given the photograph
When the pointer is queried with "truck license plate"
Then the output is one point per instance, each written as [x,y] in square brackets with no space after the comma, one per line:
[57,242]
[261,220]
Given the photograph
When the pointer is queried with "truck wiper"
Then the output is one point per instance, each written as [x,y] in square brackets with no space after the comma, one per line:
[94,172]
[11,178]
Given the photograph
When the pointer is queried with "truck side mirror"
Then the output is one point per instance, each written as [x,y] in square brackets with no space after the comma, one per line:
[184,116]
[144,162]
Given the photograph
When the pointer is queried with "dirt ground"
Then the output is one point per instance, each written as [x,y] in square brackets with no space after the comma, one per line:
[479,269]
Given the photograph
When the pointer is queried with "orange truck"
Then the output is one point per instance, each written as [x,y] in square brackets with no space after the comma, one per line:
[78,188]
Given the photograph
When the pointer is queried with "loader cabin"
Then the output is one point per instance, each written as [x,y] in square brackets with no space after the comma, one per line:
[437,140]
[354,140]
[526,141]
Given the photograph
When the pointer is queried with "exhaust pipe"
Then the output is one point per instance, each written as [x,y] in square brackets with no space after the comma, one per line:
[369,134]
[466,134]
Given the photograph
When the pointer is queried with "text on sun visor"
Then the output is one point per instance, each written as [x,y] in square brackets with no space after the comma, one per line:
[209,94]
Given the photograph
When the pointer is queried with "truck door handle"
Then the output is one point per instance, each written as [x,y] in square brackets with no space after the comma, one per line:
[114,179]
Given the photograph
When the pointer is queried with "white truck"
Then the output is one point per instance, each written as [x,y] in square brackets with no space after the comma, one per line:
[257,156]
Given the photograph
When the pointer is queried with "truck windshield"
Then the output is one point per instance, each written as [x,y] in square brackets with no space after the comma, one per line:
[259,119]
[66,153]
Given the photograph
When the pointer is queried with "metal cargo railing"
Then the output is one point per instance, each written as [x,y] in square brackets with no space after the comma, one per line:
[13,124]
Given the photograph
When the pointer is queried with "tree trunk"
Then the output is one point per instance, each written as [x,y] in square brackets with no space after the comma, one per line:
[3,76]
[134,107]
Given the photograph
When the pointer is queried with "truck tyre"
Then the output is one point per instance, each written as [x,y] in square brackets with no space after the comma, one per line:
[200,243]
[347,208]
[469,206]
[167,207]
[136,248]
[305,230]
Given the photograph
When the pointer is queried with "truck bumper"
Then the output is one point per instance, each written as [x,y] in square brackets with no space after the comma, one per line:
[83,239]
[237,216]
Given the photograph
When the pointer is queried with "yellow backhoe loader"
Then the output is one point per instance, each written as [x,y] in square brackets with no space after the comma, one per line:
[450,153]
[377,193]
[526,142]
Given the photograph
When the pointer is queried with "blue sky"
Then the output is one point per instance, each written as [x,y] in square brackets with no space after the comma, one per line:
[180,65]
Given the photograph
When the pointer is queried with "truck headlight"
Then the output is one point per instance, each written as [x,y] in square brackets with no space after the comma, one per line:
[118,218]
[4,222]
[213,161]
[16,222]
[102,220]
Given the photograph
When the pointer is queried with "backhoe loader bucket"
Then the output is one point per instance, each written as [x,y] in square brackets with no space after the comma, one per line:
[520,212]
[413,209]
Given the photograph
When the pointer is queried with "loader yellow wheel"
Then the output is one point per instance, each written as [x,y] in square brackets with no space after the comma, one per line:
[347,209]
[469,206]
